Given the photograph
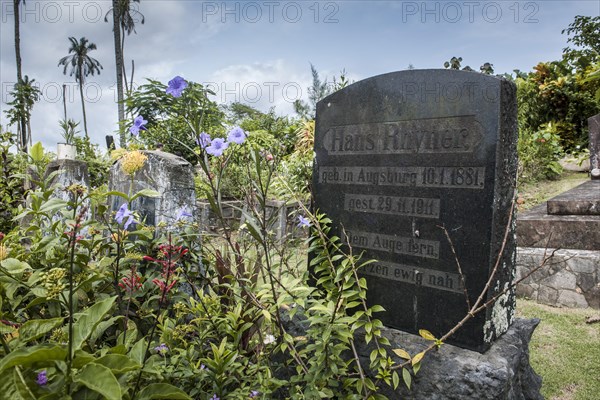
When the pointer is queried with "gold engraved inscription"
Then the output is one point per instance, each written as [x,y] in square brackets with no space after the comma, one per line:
[405,206]
[460,134]
[417,276]
[464,177]
[394,244]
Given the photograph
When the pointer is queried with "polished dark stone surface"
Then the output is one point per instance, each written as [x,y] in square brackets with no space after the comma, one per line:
[400,157]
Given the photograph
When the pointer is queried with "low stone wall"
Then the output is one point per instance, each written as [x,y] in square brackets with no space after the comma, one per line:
[571,278]
[282,224]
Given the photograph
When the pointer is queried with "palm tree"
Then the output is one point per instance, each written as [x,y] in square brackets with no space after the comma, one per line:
[123,22]
[82,65]
[16,4]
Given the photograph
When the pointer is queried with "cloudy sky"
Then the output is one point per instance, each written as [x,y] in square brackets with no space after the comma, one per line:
[259,52]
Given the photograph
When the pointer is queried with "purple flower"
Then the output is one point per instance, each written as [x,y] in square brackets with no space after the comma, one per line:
[236,135]
[217,147]
[303,222]
[176,86]
[138,124]
[254,394]
[122,214]
[204,140]
[42,379]
[162,349]
[215,397]
[202,367]
[182,214]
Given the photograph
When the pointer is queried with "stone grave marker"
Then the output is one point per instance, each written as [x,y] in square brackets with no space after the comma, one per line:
[170,175]
[398,157]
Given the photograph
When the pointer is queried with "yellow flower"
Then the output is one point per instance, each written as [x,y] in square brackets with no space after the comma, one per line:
[133,161]
[3,252]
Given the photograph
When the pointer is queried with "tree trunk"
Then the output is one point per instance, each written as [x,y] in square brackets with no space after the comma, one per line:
[119,67]
[82,101]
[23,136]
[16,4]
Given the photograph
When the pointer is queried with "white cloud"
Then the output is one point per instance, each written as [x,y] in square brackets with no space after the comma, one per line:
[261,85]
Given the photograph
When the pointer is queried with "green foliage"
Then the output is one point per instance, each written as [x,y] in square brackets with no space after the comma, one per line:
[456,63]
[175,122]
[69,130]
[319,90]
[553,94]
[25,94]
[11,186]
[584,34]
[539,153]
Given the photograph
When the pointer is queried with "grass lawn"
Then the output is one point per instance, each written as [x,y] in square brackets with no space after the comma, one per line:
[565,351]
[531,194]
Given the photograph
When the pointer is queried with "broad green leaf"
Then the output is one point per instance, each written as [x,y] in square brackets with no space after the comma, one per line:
[37,152]
[14,267]
[82,358]
[52,205]
[102,326]
[89,319]
[395,379]
[9,386]
[118,363]
[406,377]
[45,354]
[119,194]
[416,368]
[99,379]
[145,193]
[402,353]
[36,328]
[137,351]
[162,391]
[425,334]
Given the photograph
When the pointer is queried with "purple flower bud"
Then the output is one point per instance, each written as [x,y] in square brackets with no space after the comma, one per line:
[204,140]
[42,379]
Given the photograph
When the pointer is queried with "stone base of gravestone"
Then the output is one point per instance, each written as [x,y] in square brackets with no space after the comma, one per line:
[502,372]
[569,278]
[171,176]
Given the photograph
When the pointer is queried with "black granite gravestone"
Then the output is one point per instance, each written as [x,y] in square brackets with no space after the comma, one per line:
[403,155]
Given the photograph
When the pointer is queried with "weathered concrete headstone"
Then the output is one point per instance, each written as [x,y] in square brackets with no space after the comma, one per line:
[594,131]
[70,172]
[171,176]
[401,155]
